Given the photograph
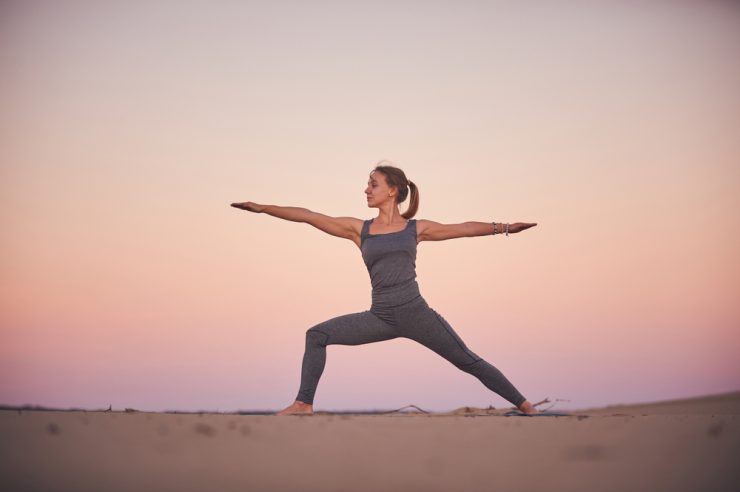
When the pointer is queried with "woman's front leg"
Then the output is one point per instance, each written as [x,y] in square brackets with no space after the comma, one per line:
[349,329]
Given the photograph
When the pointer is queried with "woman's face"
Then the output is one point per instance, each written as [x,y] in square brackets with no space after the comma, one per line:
[377,190]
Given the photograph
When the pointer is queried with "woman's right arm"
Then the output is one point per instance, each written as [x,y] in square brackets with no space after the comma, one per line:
[344,227]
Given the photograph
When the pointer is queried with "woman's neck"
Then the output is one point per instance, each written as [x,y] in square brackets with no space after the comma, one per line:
[389,215]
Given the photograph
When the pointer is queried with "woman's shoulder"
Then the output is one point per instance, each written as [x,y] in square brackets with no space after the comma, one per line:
[353,223]
[423,223]
[425,228]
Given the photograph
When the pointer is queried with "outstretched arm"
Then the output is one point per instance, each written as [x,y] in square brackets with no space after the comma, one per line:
[428,230]
[344,227]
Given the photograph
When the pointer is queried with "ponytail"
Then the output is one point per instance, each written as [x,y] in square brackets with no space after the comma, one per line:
[413,203]
[395,177]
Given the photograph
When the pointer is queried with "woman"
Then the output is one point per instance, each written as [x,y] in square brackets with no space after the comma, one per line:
[388,245]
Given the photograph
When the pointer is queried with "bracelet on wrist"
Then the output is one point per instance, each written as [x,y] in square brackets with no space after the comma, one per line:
[502,229]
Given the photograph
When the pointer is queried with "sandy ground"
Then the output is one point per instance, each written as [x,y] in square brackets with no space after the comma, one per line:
[688,445]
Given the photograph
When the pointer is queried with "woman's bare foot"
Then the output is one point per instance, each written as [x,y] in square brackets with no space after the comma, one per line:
[527,407]
[297,408]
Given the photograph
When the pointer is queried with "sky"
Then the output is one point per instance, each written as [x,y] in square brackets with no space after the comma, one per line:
[128,128]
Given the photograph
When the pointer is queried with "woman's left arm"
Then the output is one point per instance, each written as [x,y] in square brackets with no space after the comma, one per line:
[428,230]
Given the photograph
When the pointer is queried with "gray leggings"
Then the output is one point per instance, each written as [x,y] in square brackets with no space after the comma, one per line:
[414,320]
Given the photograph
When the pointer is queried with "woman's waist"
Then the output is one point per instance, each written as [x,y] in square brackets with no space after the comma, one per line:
[394,295]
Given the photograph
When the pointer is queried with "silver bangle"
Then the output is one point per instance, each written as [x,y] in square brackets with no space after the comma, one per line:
[507,229]
[494,229]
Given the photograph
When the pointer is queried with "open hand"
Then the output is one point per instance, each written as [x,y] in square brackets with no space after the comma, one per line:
[249,206]
[520,226]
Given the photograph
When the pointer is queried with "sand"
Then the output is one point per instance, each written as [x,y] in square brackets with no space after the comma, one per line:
[685,445]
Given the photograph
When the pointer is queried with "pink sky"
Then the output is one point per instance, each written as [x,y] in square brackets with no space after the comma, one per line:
[126,131]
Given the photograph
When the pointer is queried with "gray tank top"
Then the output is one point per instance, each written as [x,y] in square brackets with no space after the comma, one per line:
[391,261]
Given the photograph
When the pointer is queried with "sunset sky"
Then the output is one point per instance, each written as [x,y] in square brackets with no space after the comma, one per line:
[127,129]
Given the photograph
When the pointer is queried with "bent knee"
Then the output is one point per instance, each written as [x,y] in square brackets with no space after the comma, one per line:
[315,336]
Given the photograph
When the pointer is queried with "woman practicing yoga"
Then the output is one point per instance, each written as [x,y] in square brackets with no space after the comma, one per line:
[388,245]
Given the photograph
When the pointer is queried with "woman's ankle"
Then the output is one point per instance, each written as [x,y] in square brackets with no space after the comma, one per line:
[526,407]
